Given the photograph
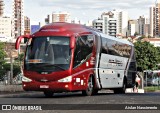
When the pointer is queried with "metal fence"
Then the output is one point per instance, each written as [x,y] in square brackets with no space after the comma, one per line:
[151,80]
[6,80]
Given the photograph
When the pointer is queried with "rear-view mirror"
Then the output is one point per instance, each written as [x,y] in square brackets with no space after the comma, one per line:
[19,39]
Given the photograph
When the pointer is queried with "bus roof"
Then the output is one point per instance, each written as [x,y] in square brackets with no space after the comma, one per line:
[65,27]
[116,39]
[70,29]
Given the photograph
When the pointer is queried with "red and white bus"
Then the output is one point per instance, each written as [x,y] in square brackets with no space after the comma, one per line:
[64,57]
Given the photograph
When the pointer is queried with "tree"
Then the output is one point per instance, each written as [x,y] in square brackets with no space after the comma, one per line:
[142,37]
[20,57]
[4,67]
[147,56]
[2,52]
[136,33]
[16,69]
[2,61]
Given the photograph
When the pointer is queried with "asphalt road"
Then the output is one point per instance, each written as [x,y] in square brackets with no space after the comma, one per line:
[76,101]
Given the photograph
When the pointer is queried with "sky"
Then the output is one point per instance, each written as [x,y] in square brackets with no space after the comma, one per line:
[84,10]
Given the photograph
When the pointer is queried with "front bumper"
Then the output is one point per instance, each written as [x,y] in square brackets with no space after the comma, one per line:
[47,86]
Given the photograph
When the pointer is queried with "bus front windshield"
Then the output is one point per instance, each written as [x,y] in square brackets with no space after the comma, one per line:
[50,54]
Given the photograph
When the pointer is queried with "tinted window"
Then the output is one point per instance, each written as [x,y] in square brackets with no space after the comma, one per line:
[50,53]
[84,46]
[115,48]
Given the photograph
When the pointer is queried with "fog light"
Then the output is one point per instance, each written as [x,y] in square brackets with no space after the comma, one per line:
[66,86]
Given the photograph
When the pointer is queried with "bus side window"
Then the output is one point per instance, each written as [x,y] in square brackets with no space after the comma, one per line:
[84,47]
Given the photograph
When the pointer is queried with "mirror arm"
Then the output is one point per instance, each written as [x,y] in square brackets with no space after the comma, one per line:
[18,41]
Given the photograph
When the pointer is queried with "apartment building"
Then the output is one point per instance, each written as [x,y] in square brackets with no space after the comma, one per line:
[1,8]
[155,19]
[26,25]
[113,23]
[18,18]
[5,26]
[61,17]
[132,27]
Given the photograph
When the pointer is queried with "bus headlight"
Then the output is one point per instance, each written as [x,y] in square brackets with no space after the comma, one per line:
[67,79]
[25,79]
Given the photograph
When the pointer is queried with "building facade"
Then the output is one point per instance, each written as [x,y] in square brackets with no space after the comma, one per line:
[48,19]
[141,25]
[61,17]
[1,8]
[98,24]
[113,23]
[153,41]
[18,18]
[5,26]
[109,24]
[155,20]
[122,21]
[132,27]
[26,25]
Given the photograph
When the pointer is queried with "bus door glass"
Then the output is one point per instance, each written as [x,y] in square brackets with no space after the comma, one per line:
[84,47]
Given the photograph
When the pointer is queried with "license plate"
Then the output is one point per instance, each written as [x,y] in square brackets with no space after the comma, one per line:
[44,86]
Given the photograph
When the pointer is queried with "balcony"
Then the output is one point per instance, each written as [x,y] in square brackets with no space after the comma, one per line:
[98,27]
[112,32]
[112,28]
[114,25]
[112,22]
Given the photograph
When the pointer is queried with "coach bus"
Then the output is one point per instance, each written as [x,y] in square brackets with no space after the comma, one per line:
[64,57]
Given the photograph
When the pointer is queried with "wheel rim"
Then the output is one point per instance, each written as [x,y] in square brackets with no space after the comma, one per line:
[90,84]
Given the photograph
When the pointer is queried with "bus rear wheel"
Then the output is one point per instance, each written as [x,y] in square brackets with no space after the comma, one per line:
[123,89]
[120,90]
[89,91]
[48,93]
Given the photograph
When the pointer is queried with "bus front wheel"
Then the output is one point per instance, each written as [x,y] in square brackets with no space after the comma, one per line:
[48,93]
[90,89]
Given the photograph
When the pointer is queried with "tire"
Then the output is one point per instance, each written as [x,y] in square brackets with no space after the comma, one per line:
[121,90]
[90,89]
[48,93]
[116,91]
[95,91]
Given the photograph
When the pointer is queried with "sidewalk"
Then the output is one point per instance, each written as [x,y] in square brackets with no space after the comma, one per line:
[130,90]
[11,88]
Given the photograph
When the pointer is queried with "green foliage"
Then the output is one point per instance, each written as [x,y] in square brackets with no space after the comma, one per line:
[135,34]
[143,36]
[149,36]
[7,67]
[2,55]
[2,52]
[4,67]
[147,56]
[20,58]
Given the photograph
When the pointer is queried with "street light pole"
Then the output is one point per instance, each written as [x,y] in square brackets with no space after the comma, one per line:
[11,68]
